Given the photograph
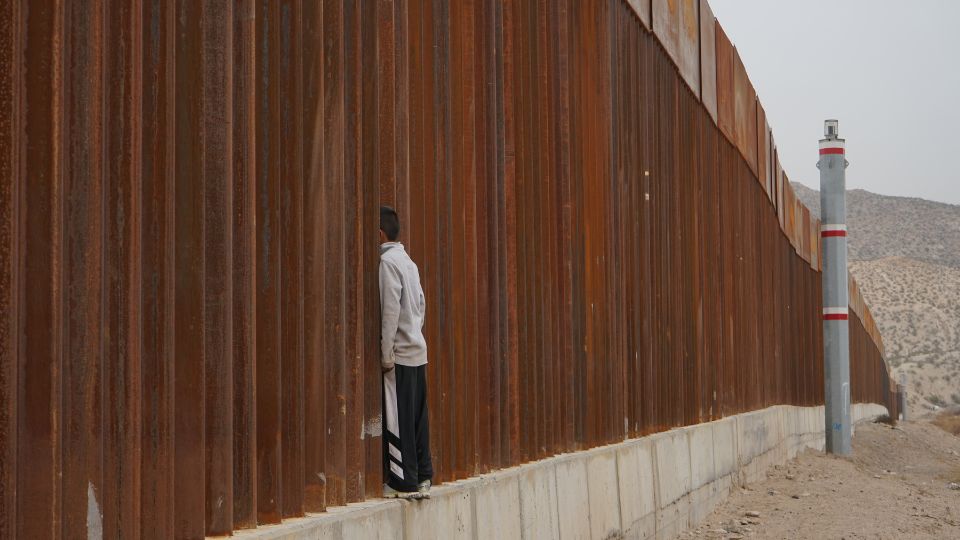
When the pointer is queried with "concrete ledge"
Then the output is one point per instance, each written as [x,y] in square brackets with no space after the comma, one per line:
[573,498]
[635,475]
[702,465]
[604,489]
[652,487]
[725,453]
[497,496]
[538,501]
[448,514]
[672,451]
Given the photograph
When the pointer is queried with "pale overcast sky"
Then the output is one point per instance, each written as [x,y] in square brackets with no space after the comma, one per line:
[889,70]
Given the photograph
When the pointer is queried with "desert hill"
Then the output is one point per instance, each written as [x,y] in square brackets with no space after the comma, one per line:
[905,253]
[883,226]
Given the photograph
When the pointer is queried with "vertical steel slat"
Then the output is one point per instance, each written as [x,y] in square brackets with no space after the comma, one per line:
[81,415]
[372,137]
[624,174]
[403,87]
[530,425]
[268,271]
[776,269]
[244,472]
[290,138]
[665,185]
[190,388]
[314,258]
[83,191]
[459,183]
[567,394]
[729,210]
[417,186]
[385,103]
[647,386]
[217,176]
[554,50]
[334,332]
[696,243]
[756,291]
[40,362]
[576,247]
[122,279]
[424,187]
[553,222]
[526,371]
[498,260]
[615,417]
[551,226]
[543,179]
[638,211]
[536,181]
[443,177]
[511,374]
[472,153]
[352,238]
[157,260]
[435,189]
[484,412]
[10,188]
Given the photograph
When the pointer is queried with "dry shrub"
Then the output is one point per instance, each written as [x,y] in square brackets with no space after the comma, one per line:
[949,422]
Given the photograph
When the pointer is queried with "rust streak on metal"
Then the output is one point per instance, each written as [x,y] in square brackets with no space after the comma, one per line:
[157,258]
[244,267]
[123,272]
[315,385]
[10,188]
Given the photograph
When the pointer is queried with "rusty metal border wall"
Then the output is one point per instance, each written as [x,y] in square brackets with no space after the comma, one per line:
[188,228]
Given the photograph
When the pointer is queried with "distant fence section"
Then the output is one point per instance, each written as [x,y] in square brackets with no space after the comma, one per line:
[188,227]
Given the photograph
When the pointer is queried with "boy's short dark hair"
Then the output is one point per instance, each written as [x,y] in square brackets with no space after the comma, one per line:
[389,223]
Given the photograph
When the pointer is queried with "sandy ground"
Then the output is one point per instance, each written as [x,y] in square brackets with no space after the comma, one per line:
[896,485]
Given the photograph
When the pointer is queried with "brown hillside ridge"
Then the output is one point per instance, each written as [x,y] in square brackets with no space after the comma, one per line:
[881,226]
[905,254]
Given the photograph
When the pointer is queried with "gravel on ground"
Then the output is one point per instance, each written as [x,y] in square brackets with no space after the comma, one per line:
[900,482]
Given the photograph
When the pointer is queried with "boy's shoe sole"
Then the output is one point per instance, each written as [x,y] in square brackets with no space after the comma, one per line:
[390,493]
[410,496]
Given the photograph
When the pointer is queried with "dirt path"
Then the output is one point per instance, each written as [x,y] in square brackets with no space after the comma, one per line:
[896,485]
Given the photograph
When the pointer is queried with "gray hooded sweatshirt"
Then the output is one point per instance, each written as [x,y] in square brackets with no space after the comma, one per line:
[402,306]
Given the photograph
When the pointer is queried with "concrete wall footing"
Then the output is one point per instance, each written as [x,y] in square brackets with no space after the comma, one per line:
[652,487]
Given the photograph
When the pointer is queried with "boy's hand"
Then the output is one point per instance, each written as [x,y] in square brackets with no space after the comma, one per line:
[386,369]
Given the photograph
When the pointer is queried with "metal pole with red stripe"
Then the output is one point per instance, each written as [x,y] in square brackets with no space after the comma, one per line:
[836,296]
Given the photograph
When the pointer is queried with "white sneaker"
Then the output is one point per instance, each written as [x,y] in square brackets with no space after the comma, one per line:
[423,488]
[390,493]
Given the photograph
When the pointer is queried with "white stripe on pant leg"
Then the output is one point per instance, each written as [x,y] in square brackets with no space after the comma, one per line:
[394,452]
[396,470]
[390,401]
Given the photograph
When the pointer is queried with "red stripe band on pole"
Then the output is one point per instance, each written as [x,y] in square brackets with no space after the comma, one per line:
[825,234]
[831,151]
[835,317]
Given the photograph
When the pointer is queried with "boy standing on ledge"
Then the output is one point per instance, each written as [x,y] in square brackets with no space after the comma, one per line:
[407,468]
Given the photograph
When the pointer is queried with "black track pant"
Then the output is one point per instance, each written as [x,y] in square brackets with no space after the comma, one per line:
[406,434]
